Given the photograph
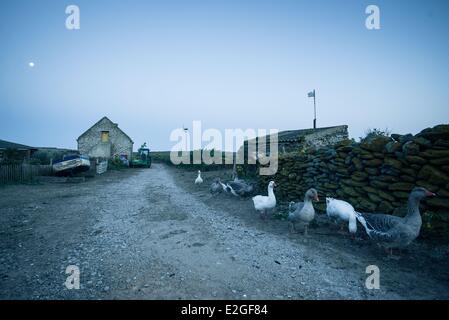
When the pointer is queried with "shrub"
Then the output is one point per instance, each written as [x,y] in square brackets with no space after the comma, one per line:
[375,132]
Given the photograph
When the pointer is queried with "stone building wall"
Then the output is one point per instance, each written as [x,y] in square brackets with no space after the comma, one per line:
[119,143]
[375,175]
[327,136]
[296,140]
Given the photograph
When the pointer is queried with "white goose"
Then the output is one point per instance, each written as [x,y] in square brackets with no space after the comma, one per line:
[264,203]
[199,180]
[342,211]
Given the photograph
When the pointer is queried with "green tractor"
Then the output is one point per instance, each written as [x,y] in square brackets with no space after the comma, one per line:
[142,159]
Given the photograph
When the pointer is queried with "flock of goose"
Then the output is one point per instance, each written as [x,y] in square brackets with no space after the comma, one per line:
[387,230]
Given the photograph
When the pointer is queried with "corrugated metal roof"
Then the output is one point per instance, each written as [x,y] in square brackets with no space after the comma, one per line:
[11,145]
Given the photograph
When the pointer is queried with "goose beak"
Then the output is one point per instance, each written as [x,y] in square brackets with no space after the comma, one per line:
[317,199]
[430,194]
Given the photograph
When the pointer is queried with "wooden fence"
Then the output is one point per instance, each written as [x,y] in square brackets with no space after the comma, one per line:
[10,173]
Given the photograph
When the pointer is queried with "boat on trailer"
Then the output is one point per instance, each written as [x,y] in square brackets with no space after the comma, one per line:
[71,164]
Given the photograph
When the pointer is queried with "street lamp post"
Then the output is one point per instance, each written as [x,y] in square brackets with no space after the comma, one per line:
[185,131]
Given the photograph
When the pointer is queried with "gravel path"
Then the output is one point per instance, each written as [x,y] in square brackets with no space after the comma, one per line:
[152,234]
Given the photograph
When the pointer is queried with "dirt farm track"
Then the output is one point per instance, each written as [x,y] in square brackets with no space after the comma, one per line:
[153,234]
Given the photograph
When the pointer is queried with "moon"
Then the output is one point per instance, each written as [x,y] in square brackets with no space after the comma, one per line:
[31,64]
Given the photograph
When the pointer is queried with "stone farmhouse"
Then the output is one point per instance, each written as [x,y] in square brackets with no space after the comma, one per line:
[105,140]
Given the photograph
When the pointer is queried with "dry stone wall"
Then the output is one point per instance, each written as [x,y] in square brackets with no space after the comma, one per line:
[374,175]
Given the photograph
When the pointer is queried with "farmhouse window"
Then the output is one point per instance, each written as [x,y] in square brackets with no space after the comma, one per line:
[104,136]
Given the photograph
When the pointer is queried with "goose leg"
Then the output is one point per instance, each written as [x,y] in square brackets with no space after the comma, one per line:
[292,227]
[391,255]
[336,222]
[341,231]
[306,227]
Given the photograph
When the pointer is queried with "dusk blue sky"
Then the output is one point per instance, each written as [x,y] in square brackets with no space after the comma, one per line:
[152,66]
